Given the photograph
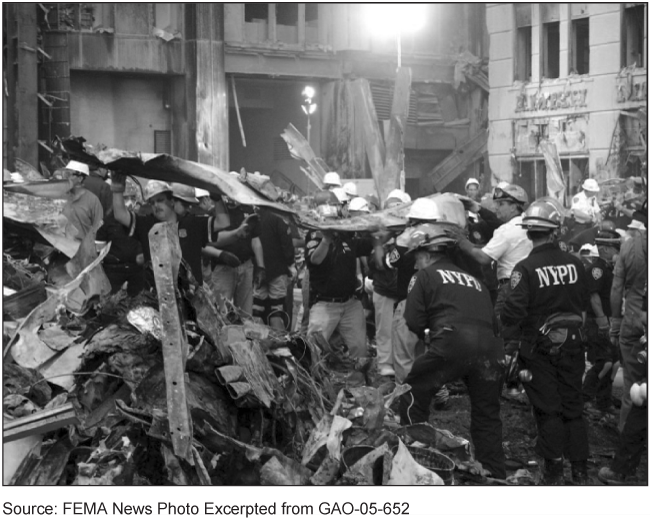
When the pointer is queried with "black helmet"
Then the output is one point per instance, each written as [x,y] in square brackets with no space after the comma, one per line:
[608,238]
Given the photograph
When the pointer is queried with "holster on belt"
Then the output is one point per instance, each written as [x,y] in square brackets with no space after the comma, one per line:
[555,331]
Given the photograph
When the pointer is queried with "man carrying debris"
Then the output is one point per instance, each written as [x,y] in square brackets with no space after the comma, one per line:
[548,303]
[279,259]
[192,230]
[236,282]
[332,262]
[452,312]
[508,245]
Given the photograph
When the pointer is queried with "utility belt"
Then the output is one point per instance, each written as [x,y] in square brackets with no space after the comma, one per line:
[553,335]
[338,300]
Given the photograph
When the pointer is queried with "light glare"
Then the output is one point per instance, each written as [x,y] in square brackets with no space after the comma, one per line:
[393,18]
[309,92]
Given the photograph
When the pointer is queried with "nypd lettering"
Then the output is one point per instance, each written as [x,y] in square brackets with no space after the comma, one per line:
[557,275]
[460,279]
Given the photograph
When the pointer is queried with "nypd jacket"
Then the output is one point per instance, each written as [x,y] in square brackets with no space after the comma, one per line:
[548,281]
[444,296]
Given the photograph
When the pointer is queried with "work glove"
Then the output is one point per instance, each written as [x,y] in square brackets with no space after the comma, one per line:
[228,259]
[118,182]
[259,277]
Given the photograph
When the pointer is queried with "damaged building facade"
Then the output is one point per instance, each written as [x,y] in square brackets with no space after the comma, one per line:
[574,75]
[218,83]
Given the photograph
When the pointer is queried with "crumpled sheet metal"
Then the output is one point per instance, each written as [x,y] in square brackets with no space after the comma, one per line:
[328,433]
[25,347]
[173,170]
[146,320]
[451,209]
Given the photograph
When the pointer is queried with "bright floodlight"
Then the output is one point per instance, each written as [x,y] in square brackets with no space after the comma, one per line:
[312,108]
[309,92]
[395,18]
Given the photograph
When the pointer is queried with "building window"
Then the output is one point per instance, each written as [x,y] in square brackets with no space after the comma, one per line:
[256,12]
[162,142]
[524,43]
[580,46]
[524,53]
[551,42]
[633,36]
[286,14]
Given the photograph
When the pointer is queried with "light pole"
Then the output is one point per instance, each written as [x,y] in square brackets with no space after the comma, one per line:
[309,107]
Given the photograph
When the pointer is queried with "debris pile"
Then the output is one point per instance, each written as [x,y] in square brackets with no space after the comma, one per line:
[87,398]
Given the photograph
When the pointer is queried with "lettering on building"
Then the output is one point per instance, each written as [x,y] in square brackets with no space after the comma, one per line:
[629,88]
[551,100]
[557,275]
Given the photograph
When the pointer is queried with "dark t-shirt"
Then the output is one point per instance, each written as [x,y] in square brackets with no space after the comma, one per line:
[336,276]
[599,280]
[95,184]
[193,234]
[275,236]
[242,247]
[124,248]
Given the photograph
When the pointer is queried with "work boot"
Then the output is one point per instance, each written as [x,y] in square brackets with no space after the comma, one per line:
[553,472]
[609,477]
[579,473]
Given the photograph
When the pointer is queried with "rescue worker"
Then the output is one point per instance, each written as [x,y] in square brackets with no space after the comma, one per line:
[635,433]
[385,297]
[404,342]
[192,231]
[332,263]
[509,245]
[452,312]
[600,351]
[124,262]
[584,206]
[630,279]
[331,180]
[350,189]
[279,259]
[548,303]
[82,208]
[472,187]
[236,283]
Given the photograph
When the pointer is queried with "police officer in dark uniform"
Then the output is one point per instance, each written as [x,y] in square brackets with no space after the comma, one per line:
[452,312]
[332,262]
[548,303]
[600,351]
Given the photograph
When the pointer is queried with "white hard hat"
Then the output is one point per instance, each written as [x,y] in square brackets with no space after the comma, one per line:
[359,204]
[472,181]
[636,225]
[82,168]
[591,185]
[200,192]
[351,189]
[340,195]
[589,250]
[154,188]
[184,193]
[425,209]
[332,178]
[399,195]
